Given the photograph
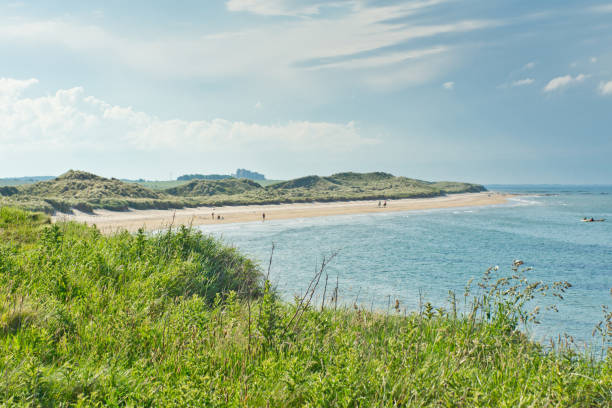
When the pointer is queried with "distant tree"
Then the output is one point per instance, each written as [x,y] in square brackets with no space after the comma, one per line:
[188,177]
[251,175]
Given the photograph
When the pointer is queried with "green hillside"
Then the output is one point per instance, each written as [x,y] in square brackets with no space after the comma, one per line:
[369,186]
[178,319]
[198,188]
[451,187]
[82,185]
[157,185]
[86,191]
[308,182]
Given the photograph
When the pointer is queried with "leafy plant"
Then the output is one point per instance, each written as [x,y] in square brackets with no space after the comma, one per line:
[173,319]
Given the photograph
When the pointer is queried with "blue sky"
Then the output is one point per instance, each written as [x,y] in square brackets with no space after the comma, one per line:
[484,91]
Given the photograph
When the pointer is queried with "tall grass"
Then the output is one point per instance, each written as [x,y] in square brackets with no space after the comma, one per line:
[179,319]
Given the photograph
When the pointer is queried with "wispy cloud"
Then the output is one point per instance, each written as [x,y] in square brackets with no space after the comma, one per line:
[529,65]
[273,7]
[523,82]
[355,62]
[313,7]
[603,8]
[69,119]
[449,86]
[562,82]
[605,88]
[337,40]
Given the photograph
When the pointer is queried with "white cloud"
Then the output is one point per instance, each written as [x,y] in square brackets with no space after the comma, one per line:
[523,82]
[272,7]
[604,8]
[562,82]
[70,120]
[593,60]
[381,60]
[450,85]
[529,65]
[605,88]
[12,88]
[310,8]
[417,71]
[258,105]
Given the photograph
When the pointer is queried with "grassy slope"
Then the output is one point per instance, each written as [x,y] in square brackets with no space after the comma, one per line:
[199,188]
[140,320]
[158,185]
[82,185]
[17,181]
[85,191]
[266,183]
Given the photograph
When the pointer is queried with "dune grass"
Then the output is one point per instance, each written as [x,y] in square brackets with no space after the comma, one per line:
[179,319]
[158,185]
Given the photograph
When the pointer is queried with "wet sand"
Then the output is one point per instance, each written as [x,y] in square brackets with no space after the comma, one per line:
[112,221]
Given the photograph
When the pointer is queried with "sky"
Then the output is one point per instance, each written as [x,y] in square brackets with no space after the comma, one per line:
[513,91]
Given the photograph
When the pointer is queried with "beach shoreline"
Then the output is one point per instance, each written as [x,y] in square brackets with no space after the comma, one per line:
[111,221]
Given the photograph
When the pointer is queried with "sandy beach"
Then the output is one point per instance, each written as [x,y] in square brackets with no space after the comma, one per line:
[132,220]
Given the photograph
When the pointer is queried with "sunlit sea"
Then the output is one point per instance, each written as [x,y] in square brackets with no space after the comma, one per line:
[417,255]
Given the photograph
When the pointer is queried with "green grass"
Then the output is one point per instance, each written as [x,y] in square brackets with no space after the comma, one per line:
[159,185]
[21,227]
[81,185]
[266,183]
[179,319]
[200,188]
[86,192]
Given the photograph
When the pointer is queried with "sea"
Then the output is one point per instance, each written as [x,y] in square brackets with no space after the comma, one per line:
[419,256]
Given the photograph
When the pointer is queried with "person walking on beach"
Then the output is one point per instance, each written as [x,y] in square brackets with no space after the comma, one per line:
[385,204]
[379,204]
[213,216]
[263,216]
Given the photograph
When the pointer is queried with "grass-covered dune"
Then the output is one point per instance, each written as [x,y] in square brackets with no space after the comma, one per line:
[371,186]
[179,319]
[229,186]
[86,191]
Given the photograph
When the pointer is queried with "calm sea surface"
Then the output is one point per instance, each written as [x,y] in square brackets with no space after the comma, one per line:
[400,255]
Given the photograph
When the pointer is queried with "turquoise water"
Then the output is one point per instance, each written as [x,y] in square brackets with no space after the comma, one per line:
[405,255]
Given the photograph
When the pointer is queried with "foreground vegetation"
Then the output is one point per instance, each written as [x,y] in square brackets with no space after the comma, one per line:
[86,192]
[179,319]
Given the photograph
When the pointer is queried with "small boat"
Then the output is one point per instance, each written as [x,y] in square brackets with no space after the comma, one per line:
[593,220]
